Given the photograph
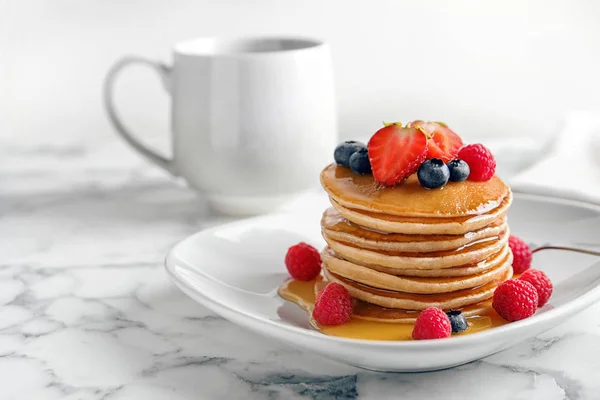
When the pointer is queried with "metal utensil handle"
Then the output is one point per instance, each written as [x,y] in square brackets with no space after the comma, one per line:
[585,251]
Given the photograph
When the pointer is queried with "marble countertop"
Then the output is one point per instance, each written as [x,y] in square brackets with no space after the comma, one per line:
[88,313]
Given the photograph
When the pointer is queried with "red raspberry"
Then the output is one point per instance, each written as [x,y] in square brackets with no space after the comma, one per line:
[303,262]
[521,254]
[432,323]
[515,300]
[540,282]
[333,305]
[481,161]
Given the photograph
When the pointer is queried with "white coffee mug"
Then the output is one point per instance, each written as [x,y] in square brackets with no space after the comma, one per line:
[253,120]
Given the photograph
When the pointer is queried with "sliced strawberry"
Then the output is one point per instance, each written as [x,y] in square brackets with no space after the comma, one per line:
[444,142]
[395,152]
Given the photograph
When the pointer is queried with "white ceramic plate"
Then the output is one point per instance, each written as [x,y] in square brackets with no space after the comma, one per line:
[235,270]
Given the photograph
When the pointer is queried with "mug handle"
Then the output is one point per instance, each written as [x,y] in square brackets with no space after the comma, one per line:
[164,72]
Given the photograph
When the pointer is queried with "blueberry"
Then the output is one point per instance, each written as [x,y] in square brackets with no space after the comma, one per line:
[458,321]
[433,173]
[359,162]
[344,150]
[459,170]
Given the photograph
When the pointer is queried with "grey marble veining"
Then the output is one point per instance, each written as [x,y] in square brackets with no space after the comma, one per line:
[88,313]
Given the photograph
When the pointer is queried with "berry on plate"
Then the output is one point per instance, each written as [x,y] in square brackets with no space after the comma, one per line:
[521,254]
[333,305]
[359,162]
[432,323]
[433,173]
[459,170]
[444,143]
[344,151]
[481,161]
[457,321]
[515,300]
[303,262]
[395,152]
[540,282]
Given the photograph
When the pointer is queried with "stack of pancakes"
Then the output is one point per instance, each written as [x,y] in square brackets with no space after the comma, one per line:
[402,249]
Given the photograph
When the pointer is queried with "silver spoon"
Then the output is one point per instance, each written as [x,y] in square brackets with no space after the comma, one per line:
[585,251]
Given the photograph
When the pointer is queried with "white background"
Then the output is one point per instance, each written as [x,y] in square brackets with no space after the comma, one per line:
[485,68]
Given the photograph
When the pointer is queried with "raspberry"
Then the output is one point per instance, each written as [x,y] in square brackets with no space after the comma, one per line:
[432,323]
[333,305]
[515,300]
[481,161]
[303,262]
[521,254]
[540,282]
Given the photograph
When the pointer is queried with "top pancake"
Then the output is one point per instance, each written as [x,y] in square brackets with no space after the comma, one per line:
[410,199]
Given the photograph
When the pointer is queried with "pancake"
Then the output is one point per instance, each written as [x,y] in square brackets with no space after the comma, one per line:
[411,301]
[463,270]
[410,199]
[402,249]
[372,312]
[471,254]
[421,225]
[338,228]
[380,280]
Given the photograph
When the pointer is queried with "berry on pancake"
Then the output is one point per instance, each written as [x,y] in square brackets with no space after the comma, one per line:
[459,170]
[359,162]
[521,254]
[344,151]
[303,262]
[541,283]
[444,143]
[515,300]
[457,321]
[432,323]
[433,173]
[481,161]
[395,152]
[333,305]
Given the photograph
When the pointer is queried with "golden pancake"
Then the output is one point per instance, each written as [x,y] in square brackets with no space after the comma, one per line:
[463,270]
[372,312]
[410,199]
[338,228]
[411,301]
[429,285]
[399,250]
[470,254]
[422,225]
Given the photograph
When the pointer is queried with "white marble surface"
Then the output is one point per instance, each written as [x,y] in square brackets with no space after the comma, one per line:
[87,311]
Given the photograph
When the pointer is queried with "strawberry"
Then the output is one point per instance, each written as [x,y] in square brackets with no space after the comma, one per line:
[395,152]
[444,143]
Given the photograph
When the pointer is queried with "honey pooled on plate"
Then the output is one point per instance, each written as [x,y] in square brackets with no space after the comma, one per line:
[303,293]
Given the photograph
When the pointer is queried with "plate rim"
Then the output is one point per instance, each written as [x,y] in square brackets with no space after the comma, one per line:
[574,306]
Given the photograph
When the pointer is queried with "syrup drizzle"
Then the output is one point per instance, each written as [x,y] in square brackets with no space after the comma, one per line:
[303,294]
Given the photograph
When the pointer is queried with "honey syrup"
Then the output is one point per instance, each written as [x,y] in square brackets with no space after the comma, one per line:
[302,293]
